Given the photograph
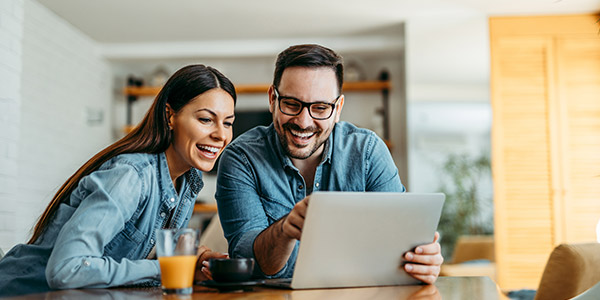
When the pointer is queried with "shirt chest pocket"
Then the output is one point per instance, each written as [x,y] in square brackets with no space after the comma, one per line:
[125,243]
[274,209]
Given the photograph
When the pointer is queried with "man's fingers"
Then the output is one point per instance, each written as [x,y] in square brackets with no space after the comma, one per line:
[429,279]
[415,269]
[436,259]
[300,208]
[436,237]
[433,248]
[291,230]
[295,220]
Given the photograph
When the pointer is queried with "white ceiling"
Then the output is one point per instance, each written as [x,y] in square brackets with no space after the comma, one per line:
[156,21]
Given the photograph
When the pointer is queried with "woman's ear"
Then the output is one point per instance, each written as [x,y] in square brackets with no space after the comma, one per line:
[169,113]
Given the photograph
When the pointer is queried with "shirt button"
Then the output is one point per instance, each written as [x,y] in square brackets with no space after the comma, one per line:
[317,184]
[152,241]
[86,263]
[162,214]
[300,187]
[172,199]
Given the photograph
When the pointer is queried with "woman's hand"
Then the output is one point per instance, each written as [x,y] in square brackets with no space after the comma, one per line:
[204,254]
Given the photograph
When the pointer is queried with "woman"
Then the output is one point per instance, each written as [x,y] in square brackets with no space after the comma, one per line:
[99,229]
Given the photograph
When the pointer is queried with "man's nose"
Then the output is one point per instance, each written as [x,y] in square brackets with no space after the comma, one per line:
[304,119]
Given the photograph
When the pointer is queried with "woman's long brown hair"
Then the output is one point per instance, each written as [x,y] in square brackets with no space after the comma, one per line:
[152,135]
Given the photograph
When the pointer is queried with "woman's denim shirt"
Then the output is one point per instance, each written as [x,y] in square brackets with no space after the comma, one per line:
[102,236]
[257,184]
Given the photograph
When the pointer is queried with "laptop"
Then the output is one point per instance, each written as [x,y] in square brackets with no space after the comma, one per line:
[357,239]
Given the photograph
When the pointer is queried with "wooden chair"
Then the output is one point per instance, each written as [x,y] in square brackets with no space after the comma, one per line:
[571,270]
[469,249]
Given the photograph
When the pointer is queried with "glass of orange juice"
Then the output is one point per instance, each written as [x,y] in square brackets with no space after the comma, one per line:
[176,251]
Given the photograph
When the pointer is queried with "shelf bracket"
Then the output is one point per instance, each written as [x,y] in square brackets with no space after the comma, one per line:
[385,110]
[132,82]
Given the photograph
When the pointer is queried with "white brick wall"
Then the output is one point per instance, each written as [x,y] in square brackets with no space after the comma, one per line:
[11,34]
[62,76]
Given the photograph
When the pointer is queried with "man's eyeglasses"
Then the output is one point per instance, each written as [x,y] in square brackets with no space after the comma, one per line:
[317,110]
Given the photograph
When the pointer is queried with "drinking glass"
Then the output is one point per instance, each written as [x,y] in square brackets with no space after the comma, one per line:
[176,251]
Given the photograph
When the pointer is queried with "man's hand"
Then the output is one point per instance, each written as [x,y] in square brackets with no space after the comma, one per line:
[292,224]
[424,263]
[204,254]
[273,246]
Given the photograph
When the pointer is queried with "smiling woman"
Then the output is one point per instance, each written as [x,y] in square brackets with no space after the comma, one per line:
[99,229]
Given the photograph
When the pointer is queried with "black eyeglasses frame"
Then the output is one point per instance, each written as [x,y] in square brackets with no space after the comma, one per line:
[305,104]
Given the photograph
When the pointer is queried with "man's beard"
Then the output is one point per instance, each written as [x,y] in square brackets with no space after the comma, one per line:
[296,154]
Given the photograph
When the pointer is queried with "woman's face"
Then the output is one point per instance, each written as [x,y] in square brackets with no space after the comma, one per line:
[201,129]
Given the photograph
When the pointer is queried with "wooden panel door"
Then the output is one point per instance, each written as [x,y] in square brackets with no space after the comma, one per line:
[521,159]
[545,139]
[578,73]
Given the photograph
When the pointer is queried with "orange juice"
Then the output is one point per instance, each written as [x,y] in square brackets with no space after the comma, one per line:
[177,272]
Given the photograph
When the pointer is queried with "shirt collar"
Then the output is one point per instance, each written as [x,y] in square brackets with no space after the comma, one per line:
[192,178]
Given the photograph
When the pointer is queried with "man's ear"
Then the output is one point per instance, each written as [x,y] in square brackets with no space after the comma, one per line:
[340,105]
[271,93]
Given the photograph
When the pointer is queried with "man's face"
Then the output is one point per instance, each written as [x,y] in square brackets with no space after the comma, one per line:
[302,136]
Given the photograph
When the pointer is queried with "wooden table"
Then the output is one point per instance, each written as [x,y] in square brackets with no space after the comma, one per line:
[446,288]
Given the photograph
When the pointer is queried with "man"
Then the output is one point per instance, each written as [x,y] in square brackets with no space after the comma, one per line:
[267,174]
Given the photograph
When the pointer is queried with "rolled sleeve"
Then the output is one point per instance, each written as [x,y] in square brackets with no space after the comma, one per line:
[108,199]
[240,208]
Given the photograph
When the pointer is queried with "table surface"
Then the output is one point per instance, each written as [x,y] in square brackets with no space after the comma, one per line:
[446,288]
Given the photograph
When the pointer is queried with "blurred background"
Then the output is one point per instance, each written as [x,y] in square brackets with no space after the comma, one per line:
[64,65]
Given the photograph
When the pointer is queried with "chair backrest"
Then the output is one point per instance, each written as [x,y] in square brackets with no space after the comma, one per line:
[473,247]
[570,270]
[213,236]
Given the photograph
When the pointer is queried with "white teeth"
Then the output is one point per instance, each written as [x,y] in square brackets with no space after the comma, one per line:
[302,134]
[209,148]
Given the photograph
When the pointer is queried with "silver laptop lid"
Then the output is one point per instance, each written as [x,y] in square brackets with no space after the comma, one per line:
[352,239]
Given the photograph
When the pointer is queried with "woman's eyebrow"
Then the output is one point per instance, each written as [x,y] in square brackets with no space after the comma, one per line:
[213,113]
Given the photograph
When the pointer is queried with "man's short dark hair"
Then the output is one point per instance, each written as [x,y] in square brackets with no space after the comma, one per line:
[309,55]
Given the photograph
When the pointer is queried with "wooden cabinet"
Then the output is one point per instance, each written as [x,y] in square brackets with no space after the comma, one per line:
[545,139]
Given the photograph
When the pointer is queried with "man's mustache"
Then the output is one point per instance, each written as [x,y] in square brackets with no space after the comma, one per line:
[295,127]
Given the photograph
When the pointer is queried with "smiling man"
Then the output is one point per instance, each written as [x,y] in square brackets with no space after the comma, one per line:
[266,175]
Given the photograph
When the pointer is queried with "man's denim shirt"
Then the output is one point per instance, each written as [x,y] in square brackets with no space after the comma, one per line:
[257,183]
[101,237]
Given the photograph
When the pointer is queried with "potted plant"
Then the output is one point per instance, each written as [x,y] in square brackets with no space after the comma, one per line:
[468,208]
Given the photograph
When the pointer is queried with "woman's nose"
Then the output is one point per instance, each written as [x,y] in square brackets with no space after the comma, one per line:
[220,133]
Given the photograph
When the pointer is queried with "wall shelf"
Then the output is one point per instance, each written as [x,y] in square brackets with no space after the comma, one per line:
[151,91]
[383,85]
